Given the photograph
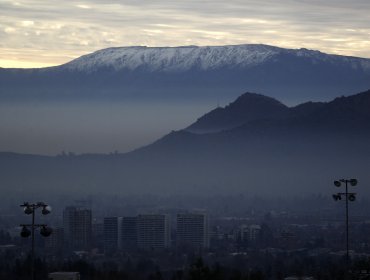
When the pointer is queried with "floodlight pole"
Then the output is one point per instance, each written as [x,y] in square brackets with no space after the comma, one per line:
[347,225]
[33,245]
[32,207]
[348,196]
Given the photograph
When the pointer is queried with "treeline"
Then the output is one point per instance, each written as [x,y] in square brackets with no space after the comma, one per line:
[146,269]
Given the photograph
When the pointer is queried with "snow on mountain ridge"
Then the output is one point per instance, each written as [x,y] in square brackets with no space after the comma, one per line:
[169,59]
[180,59]
[316,56]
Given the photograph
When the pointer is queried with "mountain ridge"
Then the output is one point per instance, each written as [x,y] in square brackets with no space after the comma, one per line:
[258,107]
[184,58]
[191,73]
[326,122]
[248,106]
[297,154]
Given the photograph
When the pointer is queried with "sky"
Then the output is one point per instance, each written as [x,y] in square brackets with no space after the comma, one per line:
[39,33]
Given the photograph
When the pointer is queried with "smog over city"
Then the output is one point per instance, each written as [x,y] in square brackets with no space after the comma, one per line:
[184,139]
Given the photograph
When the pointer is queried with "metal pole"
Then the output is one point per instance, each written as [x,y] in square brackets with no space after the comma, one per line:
[31,209]
[351,197]
[33,245]
[347,256]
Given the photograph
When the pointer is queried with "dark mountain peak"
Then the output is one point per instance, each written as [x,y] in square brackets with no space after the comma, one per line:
[359,98]
[359,103]
[251,109]
[247,107]
[251,100]
[307,108]
[354,107]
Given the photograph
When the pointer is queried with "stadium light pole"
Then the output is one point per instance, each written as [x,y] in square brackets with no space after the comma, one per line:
[349,196]
[29,208]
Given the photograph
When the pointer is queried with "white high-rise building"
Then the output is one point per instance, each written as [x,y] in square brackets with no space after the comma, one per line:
[153,232]
[192,231]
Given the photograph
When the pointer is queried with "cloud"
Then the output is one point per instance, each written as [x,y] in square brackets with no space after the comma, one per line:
[58,31]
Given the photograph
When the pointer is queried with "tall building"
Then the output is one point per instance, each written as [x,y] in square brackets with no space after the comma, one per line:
[112,234]
[249,233]
[77,223]
[153,232]
[55,242]
[192,231]
[98,235]
[129,233]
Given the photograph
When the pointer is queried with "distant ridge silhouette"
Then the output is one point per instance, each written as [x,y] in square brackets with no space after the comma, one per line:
[260,147]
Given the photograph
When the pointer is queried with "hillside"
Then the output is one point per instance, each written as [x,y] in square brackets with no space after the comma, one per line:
[298,153]
[191,73]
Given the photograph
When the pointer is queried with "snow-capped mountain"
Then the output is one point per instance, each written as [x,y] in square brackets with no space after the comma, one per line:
[176,59]
[182,59]
[192,73]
